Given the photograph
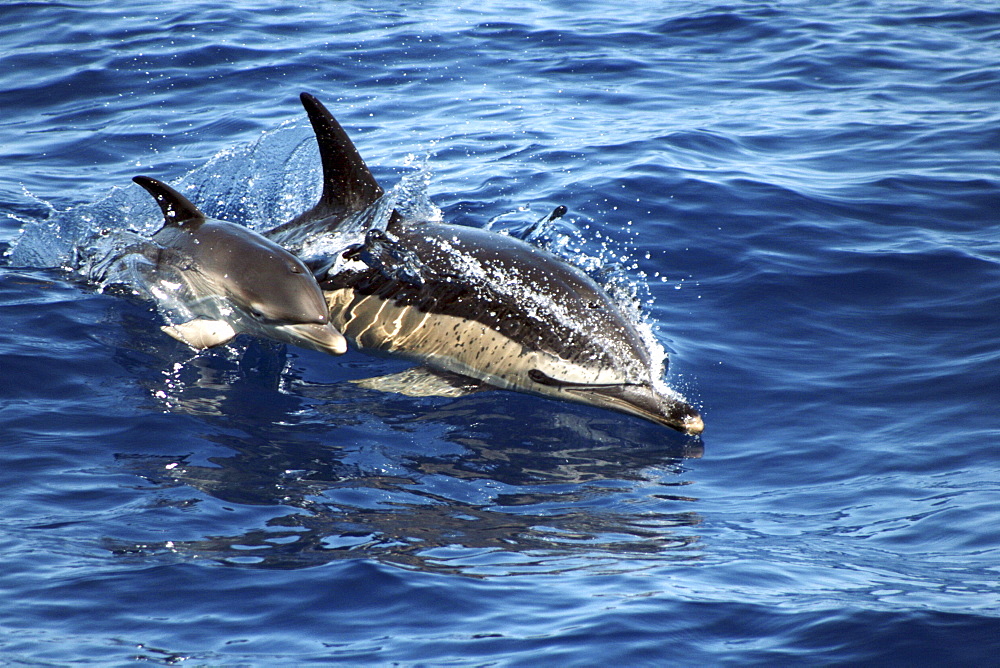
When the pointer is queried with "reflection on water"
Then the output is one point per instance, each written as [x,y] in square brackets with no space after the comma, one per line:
[492,483]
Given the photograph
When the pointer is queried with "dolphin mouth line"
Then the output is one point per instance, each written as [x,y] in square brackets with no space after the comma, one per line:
[263,319]
[542,378]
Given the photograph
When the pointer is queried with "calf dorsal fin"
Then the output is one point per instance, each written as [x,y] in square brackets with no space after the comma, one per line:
[178,211]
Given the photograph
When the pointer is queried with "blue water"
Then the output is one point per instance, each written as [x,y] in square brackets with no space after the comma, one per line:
[804,196]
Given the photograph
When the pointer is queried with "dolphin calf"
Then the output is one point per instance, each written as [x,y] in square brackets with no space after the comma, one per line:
[235,280]
[467,301]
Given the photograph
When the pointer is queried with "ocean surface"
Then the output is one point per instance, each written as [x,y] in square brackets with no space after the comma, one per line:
[804,198]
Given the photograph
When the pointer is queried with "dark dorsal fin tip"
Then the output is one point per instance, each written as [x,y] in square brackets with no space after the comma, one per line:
[177,209]
[348,185]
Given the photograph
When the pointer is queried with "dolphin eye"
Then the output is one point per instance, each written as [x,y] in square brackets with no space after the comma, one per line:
[295,269]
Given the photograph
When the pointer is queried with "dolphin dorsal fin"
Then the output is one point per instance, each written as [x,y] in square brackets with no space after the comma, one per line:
[178,211]
[348,185]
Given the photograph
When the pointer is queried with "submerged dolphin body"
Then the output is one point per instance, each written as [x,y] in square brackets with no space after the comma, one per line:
[235,280]
[471,302]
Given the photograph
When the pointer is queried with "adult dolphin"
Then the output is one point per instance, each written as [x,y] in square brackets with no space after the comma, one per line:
[235,280]
[467,301]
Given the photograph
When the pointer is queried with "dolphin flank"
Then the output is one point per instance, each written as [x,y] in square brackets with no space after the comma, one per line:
[262,288]
[467,301]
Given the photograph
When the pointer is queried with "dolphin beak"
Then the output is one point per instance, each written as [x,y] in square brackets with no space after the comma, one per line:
[646,401]
[324,338]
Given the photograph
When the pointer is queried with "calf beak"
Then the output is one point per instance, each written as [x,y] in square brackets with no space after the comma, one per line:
[324,338]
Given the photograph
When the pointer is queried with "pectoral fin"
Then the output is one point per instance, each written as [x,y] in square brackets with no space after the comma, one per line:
[201,333]
[423,382]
